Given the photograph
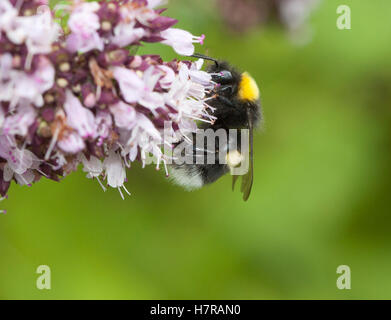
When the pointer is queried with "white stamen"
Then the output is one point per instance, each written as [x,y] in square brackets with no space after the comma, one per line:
[120,192]
[126,190]
[101,184]
[12,106]
[52,144]
[10,141]
[199,119]
[127,162]
[185,136]
[29,60]
[158,163]
[43,173]
[143,157]
[207,106]
[98,92]
[165,167]
[24,180]
[204,150]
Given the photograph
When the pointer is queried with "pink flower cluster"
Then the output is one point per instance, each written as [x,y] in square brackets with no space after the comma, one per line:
[242,15]
[77,95]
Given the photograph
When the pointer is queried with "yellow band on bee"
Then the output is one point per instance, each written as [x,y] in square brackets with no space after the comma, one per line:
[248,89]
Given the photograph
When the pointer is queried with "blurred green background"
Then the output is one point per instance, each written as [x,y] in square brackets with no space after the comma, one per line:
[320,197]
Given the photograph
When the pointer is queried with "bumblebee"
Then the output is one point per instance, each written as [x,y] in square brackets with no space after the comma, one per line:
[236,104]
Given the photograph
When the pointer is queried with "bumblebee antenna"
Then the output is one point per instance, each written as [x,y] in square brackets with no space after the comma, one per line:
[201,56]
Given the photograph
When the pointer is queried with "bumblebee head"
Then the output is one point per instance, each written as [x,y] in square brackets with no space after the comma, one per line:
[232,84]
[248,89]
[242,85]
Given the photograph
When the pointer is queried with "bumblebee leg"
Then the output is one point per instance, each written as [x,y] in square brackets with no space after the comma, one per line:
[227,88]
[226,101]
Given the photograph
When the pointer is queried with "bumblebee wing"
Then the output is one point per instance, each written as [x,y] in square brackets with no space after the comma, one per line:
[247,183]
[234,179]
[248,178]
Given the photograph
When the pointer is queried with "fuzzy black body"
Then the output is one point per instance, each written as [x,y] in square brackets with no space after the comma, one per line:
[232,111]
